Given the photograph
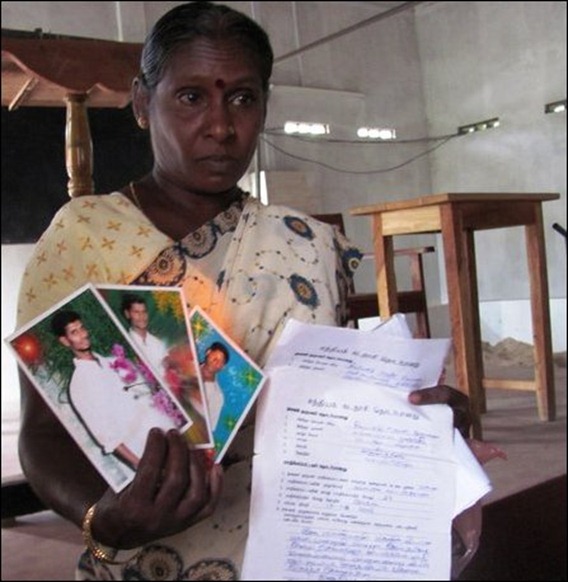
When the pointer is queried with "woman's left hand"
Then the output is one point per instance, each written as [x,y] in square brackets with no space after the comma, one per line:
[442,394]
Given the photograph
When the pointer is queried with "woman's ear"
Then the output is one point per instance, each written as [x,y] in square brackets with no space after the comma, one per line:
[140,103]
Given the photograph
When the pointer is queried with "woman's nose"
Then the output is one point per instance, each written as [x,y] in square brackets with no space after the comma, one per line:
[220,122]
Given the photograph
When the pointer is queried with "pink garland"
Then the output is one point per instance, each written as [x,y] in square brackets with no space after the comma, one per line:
[129,372]
[122,365]
[164,403]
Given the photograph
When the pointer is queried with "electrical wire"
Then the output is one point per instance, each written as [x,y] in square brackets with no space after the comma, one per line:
[362,172]
[365,142]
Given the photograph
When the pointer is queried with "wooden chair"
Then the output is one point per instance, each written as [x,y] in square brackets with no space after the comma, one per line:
[361,305]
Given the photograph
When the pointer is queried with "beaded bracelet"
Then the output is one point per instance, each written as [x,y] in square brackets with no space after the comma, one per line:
[99,552]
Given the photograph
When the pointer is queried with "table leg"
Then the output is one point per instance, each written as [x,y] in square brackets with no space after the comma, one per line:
[461,313]
[540,310]
[387,294]
[469,256]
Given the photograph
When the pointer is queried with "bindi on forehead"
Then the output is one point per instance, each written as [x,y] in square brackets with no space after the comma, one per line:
[220,84]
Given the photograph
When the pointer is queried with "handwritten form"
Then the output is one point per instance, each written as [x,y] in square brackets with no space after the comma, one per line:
[350,481]
[377,358]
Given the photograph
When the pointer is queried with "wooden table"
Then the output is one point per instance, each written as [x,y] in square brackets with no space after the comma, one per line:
[457,217]
[73,72]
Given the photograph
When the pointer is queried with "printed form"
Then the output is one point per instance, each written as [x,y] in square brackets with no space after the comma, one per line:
[350,481]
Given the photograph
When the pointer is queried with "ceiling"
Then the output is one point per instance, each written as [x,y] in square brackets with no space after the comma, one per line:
[42,70]
[387,9]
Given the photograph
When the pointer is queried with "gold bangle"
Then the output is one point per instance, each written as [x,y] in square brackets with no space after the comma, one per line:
[99,552]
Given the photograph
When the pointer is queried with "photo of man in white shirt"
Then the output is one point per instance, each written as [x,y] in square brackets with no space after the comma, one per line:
[117,414]
[216,358]
[135,311]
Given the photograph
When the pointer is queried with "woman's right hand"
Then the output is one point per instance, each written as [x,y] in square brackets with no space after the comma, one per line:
[174,487]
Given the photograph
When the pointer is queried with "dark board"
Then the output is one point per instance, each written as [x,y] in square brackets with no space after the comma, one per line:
[34,177]
[523,536]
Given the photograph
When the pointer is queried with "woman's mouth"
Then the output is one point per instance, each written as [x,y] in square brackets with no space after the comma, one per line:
[218,163]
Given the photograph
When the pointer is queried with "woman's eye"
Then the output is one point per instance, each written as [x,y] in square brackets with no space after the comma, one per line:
[189,97]
[245,98]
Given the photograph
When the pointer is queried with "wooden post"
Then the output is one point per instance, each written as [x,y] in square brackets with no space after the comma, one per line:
[78,146]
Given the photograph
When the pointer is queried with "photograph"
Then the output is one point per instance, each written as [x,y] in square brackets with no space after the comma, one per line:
[157,321]
[230,379]
[97,382]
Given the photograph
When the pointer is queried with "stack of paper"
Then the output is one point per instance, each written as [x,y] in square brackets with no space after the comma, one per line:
[350,480]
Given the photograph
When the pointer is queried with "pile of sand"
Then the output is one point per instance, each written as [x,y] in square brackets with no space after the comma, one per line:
[510,353]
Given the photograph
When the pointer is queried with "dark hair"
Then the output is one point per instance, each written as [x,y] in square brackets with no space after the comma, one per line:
[218,346]
[193,20]
[62,319]
[129,299]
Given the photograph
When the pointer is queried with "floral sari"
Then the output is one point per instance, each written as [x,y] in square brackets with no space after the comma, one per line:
[252,268]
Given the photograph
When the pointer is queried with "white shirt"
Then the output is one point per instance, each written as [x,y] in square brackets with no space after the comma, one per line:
[113,415]
[153,348]
[215,401]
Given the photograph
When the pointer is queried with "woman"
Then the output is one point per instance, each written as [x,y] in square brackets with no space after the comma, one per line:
[202,94]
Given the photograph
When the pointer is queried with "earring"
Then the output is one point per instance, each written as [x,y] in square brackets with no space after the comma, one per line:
[231,130]
[142,122]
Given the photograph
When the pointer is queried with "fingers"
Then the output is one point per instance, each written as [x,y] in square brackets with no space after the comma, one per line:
[175,475]
[485,452]
[197,492]
[150,469]
[463,421]
[442,394]
[216,482]
[205,488]
[173,488]
[459,403]
[215,486]
[456,398]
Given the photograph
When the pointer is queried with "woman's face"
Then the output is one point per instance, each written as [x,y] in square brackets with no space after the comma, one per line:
[205,116]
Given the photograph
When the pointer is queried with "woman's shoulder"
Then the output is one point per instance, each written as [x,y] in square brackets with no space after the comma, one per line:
[270,209]
[94,212]
[100,201]
[291,217]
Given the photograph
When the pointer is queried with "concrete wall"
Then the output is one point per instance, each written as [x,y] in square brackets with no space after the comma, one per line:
[481,60]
